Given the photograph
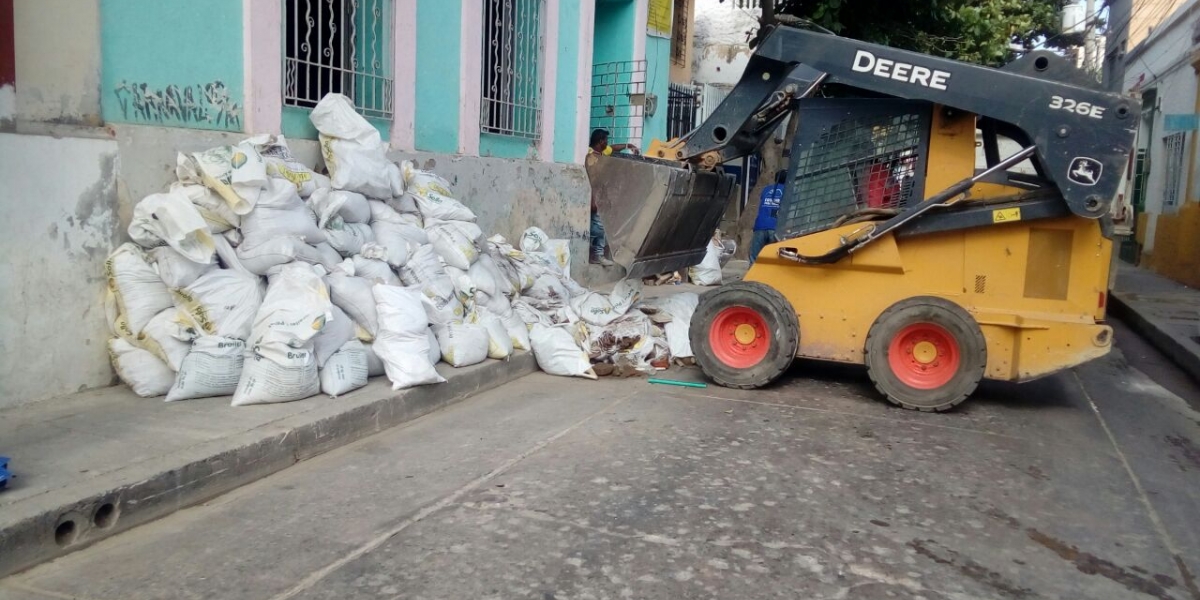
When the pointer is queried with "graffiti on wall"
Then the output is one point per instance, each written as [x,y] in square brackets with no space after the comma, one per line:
[206,105]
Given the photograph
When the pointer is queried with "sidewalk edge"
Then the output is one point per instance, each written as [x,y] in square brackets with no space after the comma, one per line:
[189,478]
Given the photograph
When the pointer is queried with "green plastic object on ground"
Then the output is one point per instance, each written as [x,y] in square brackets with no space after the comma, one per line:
[678,383]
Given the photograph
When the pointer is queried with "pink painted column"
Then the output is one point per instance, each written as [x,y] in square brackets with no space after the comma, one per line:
[549,81]
[470,77]
[583,78]
[640,19]
[262,64]
[404,72]
[640,23]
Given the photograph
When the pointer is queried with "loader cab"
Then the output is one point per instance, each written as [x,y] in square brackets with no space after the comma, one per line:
[856,158]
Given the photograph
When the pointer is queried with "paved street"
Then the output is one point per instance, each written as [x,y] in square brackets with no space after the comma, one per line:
[1083,485]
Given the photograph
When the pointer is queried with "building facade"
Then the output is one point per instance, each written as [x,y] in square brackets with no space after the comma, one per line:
[639,48]
[1164,185]
[98,96]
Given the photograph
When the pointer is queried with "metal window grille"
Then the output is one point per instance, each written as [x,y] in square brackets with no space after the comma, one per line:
[857,161]
[711,97]
[683,103]
[1174,168]
[618,100]
[338,46]
[679,33]
[512,47]
[1141,173]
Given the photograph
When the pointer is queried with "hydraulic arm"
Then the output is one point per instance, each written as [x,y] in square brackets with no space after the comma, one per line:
[1077,136]
[1081,135]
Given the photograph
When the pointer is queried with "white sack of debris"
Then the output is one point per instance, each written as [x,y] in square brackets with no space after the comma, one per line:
[257,276]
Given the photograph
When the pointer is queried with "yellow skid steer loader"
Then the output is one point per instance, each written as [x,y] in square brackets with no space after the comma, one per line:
[911,243]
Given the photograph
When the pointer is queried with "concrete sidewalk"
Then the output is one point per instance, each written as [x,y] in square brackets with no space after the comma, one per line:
[1165,312]
[92,464]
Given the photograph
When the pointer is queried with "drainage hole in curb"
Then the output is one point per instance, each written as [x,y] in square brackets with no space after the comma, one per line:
[106,516]
[64,534]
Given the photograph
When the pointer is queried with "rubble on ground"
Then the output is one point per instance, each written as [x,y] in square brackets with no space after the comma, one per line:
[257,277]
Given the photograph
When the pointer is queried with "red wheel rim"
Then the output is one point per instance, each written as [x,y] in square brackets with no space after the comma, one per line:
[739,337]
[924,356]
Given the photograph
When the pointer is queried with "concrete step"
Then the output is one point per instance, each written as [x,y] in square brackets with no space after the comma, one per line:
[1163,311]
[96,463]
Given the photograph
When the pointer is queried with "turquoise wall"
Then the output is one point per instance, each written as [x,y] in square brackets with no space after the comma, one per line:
[438,87]
[565,83]
[179,64]
[439,44]
[658,79]
[172,63]
[296,124]
[614,31]
[507,146]
[613,42]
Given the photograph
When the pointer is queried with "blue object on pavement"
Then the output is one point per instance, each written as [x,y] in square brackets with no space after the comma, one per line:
[3,472]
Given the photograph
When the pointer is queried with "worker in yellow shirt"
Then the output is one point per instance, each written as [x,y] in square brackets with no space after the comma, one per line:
[598,144]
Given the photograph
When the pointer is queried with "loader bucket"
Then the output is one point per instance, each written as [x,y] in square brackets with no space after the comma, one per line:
[658,216]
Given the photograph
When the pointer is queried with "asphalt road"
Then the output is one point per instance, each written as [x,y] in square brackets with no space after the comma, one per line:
[1082,485]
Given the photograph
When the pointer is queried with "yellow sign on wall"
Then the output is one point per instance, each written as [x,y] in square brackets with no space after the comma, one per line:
[658,22]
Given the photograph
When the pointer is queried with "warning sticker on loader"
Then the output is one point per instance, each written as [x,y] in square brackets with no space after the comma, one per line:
[1006,215]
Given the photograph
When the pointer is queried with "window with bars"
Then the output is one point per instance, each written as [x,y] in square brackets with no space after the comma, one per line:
[679,33]
[512,48]
[682,105]
[619,99]
[1173,173]
[1141,172]
[338,46]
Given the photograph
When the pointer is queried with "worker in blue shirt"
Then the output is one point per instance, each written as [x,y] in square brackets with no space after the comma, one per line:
[768,211]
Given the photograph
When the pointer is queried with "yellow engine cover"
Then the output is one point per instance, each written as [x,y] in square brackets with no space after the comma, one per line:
[1036,289]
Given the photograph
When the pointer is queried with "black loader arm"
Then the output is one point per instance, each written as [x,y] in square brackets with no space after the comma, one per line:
[1082,136]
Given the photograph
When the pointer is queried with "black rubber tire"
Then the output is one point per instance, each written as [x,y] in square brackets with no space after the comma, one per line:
[780,319]
[952,318]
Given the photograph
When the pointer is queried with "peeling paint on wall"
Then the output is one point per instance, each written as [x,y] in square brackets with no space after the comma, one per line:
[56,231]
[94,216]
[720,49]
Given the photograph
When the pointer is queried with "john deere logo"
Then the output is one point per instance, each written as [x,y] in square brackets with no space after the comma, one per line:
[1085,171]
[239,159]
[318,323]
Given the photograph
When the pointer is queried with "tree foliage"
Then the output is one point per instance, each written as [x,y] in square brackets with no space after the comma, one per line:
[978,31]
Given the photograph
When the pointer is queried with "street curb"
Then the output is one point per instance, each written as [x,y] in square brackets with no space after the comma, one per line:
[148,491]
[1181,351]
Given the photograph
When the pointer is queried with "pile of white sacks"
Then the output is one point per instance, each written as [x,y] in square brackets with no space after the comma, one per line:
[257,277]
